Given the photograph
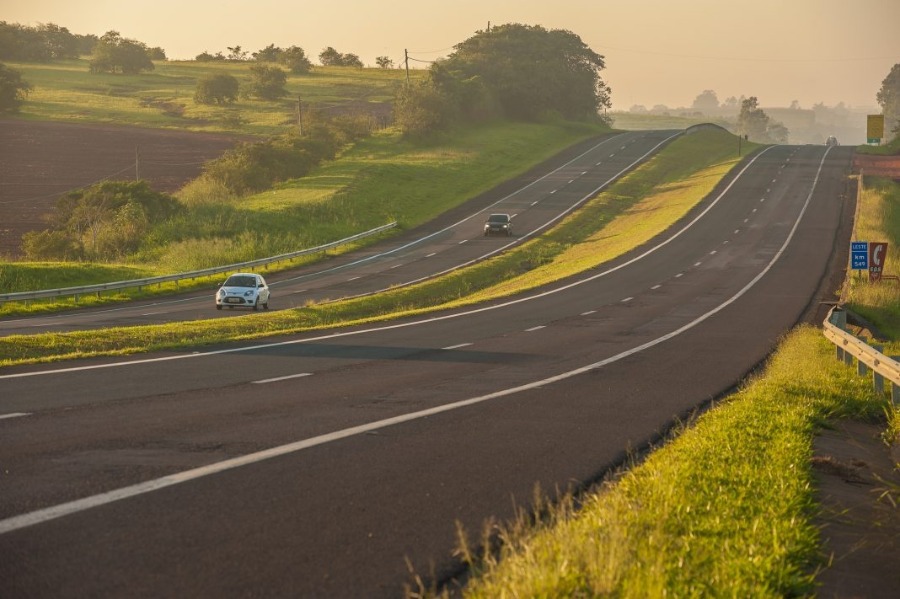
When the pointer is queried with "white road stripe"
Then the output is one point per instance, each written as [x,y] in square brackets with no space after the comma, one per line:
[627,299]
[457,346]
[537,328]
[283,378]
[588,313]
[14,415]
[655,287]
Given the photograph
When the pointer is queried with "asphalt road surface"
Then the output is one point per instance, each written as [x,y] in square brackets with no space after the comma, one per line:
[323,465]
[536,201]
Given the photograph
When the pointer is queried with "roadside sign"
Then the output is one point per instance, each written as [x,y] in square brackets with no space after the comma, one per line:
[874,128]
[859,255]
[877,254]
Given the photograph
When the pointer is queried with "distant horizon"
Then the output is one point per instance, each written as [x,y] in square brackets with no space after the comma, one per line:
[657,53]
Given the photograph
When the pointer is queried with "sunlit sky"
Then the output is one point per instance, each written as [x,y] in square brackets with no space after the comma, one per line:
[657,51]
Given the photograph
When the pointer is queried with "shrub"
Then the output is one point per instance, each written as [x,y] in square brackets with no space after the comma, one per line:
[219,88]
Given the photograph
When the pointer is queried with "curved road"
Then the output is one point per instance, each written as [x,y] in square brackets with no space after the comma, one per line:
[537,200]
[317,465]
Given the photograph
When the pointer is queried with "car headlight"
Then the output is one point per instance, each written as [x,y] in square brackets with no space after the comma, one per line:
[249,293]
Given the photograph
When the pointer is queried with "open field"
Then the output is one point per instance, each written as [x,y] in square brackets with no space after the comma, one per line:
[163,98]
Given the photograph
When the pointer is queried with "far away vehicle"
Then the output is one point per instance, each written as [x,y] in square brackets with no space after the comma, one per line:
[498,223]
[243,289]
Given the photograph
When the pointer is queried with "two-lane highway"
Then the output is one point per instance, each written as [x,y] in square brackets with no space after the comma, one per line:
[457,239]
[316,465]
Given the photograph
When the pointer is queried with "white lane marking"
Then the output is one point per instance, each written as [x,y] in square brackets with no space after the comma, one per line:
[754,210]
[428,320]
[588,313]
[58,511]
[626,300]
[746,220]
[737,231]
[282,378]
[353,278]
[534,203]
[431,254]
[463,241]
[679,275]
[697,263]
[655,287]
[300,291]
[713,253]
[537,328]
[554,191]
[598,164]
[457,346]
[14,415]
[150,313]
[725,242]
[395,266]
[571,180]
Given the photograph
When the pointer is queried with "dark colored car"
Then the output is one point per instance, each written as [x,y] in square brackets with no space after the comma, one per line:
[498,223]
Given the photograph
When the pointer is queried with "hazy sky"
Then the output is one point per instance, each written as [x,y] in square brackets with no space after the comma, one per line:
[657,51]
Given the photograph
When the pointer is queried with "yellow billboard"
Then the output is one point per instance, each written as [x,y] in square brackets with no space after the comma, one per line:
[875,127]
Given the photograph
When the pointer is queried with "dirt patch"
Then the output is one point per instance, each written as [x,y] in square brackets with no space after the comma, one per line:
[879,166]
[856,475]
[39,161]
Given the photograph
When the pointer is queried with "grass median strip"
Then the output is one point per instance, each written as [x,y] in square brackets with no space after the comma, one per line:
[631,212]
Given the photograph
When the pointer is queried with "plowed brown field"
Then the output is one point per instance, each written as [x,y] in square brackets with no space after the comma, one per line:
[39,161]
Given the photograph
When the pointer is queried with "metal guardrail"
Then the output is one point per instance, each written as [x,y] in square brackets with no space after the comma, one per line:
[868,357]
[86,289]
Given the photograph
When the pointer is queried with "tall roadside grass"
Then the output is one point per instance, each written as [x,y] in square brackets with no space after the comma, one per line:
[878,219]
[724,509]
[642,205]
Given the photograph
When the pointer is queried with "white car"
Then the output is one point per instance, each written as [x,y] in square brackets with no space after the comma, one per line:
[243,289]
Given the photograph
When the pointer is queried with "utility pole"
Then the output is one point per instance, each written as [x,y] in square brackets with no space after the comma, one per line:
[406,60]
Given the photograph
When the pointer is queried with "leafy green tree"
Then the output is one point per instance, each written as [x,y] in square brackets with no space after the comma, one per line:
[218,88]
[421,109]
[236,53]
[115,54]
[707,102]
[270,53]
[207,57]
[329,57]
[42,43]
[156,53]
[384,62]
[267,82]
[752,120]
[888,98]
[294,58]
[530,71]
[13,89]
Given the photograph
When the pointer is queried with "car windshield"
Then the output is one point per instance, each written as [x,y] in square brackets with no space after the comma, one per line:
[240,281]
[498,218]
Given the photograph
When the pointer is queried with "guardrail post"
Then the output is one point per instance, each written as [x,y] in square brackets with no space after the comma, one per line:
[877,379]
[895,388]
[861,368]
